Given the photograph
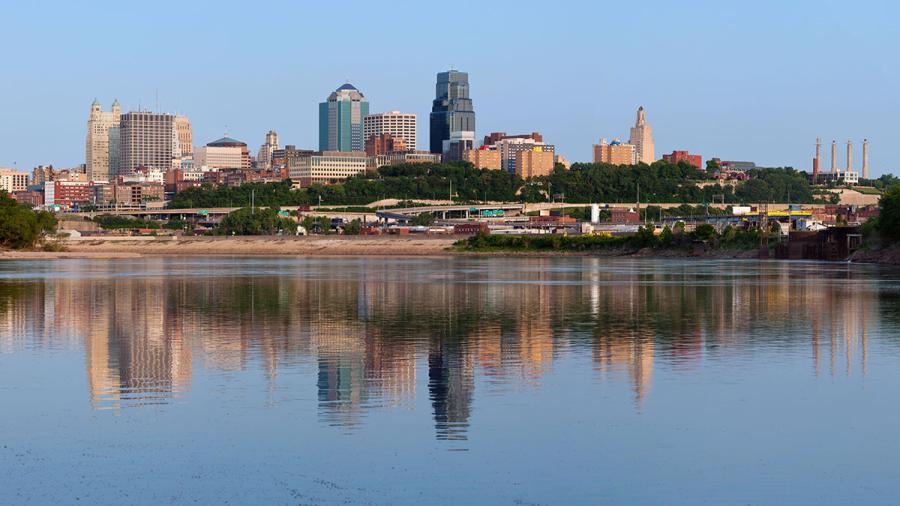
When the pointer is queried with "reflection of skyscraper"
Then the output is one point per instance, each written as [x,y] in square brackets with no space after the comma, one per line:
[451,385]
[452,116]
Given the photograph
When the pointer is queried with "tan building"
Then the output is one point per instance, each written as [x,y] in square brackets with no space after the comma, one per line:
[614,153]
[102,143]
[184,135]
[264,155]
[534,162]
[136,194]
[484,158]
[218,157]
[327,167]
[642,139]
[395,123]
[12,181]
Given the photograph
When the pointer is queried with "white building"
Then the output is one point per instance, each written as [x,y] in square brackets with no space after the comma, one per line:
[218,157]
[12,180]
[264,156]
[395,123]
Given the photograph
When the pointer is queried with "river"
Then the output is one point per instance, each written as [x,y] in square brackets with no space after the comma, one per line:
[448,381]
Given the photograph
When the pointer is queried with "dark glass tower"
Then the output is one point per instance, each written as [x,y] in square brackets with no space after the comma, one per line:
[452,115]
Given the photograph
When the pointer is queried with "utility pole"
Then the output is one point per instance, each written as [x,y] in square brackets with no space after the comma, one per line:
[252,198]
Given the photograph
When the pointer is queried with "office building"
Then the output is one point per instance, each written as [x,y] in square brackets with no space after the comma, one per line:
[102,138]
[327,167]
[495,137]
[684,156]
[485,157]
[184,135]
[148,139]
[534,162]
[341,120]
[510,147]
[382,144]
[12,181]
[264,156]
[232,145]
[642,139]
[397,124]
[615,153]
[452,117]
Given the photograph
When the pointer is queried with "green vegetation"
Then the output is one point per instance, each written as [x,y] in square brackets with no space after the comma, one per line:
[21,227]
[422,220]
[250,221]
[585,183]
[669,239]
[316,225]
[110,222]
[888,223]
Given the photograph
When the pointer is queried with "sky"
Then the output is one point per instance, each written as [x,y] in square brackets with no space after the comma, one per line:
[754,81]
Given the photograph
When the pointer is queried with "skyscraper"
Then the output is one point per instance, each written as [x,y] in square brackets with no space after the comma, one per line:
[642,139]
[150,140]
[101,145]
[341,120]
[397,124]
[452,116]
[264,156]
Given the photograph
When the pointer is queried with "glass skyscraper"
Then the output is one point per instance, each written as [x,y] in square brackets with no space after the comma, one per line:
[452,116]
[341,120]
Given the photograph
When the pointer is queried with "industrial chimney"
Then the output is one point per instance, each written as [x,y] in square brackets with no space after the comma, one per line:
[817,160]
[849,156]
[865,168]
[834,168]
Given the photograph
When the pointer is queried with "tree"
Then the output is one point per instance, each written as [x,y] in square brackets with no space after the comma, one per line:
[889,216]
[423,220]
[21,227]
[264,221]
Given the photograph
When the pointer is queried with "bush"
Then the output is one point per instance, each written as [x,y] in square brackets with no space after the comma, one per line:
[889,216]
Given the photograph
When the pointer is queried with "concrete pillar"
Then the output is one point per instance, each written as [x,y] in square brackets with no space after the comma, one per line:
[834,168]
[849,156]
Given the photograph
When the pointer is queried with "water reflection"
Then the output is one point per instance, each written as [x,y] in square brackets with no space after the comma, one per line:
[371,329]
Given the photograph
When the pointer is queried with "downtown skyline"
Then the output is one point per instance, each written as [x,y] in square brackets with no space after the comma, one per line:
[740,99]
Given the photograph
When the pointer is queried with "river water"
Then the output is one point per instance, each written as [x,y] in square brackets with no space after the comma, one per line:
[448,381]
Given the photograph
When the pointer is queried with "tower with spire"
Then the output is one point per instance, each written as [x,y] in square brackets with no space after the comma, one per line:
[642,139]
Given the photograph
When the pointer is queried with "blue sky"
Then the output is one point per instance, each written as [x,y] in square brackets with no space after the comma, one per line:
[742,81]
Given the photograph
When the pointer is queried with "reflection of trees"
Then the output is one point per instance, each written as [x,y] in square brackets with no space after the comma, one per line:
[365,327]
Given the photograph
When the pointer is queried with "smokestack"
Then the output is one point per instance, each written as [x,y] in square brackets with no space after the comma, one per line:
[849,156]
[817,161]
[834,157]
[865,169]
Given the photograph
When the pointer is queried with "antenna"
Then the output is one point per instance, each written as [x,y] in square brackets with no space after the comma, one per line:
[157,100]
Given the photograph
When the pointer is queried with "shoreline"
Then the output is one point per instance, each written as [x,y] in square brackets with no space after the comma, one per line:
[109,248]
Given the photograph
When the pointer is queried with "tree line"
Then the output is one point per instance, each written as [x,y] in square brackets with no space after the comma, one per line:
[660,181]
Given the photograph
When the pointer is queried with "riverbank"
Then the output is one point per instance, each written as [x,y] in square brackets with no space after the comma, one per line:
[885,256]
[261,246]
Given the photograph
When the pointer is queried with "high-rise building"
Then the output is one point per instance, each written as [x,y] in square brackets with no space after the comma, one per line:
[101,145]
[510,147]
[12,181]
[485,157]
[397,124]
[149,140]
[642,139]
[264,156]
[534,162]
[184,134]
[615,153]
[341,120]
[452,116]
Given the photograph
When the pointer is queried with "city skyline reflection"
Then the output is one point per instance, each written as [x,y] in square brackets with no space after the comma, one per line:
[390,334]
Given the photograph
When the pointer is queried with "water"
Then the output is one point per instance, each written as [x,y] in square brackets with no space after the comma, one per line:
[448,381]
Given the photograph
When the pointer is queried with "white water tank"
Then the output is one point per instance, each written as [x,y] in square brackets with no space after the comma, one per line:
[595,213]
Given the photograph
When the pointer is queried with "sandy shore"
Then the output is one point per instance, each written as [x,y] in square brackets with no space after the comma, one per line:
[255,246]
